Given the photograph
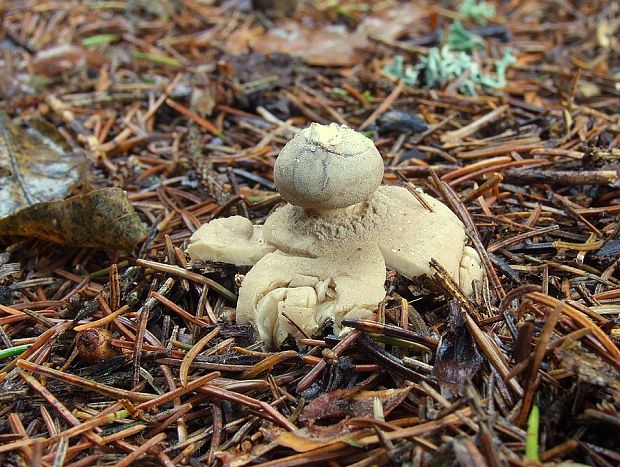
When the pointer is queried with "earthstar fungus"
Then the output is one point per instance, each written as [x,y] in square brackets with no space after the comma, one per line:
[323,256]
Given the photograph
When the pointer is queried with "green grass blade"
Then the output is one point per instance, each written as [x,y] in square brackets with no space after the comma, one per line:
[531,439]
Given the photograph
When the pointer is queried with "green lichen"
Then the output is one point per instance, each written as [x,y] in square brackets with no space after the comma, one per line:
[460,39]
[398,70]
[451,62]
[478,11]
[443,65]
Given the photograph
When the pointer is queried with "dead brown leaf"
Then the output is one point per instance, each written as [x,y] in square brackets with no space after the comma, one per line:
[332,45]
[36,165]
[345,402]
[320,47]
[102,219]
[38,171]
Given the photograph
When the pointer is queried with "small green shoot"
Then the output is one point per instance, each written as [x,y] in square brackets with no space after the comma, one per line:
[346,10]
[349,10]
[100,39]
[157,7]
[340,92]
[531,438]
[111,5]
[13,351]
[157,58]
[118,428]
[111,418]
[371,134]
[105,271]
[39,82]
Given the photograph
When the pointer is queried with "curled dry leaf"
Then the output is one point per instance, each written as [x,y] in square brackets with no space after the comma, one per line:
[327,46]
[345,402]
[37,172]
[103,219]
[458,359]
[313,437]
[322,47]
